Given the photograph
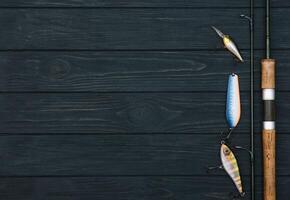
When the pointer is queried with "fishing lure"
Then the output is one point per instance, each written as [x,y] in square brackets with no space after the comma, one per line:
[230,165]
[233,114]
[229,44]
[233,105]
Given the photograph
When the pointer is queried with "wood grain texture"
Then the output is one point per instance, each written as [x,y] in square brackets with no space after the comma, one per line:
[121,188]
[121,71]
[133,29]
[123,28]
[137,3]
[105,29]
[127,155]
[147,188]
[130,3]
[130,71]
[110,113]
[88,155]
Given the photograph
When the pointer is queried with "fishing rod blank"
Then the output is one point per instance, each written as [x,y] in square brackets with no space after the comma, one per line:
[252,149]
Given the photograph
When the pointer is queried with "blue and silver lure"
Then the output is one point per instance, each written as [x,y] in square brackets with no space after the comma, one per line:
[233,107]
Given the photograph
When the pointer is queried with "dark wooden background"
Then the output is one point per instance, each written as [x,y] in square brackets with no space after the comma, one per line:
[125,99]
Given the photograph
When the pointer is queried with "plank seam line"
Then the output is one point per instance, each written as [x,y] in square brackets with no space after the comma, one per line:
[133,50]
[124,176]
[241,133]
[126,92]
[136,7]
[111,92]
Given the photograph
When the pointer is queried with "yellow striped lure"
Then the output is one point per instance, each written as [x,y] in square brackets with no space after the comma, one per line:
[230,165]
[229,44]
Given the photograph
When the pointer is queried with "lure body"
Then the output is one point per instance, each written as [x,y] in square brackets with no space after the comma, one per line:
[230,165]
[233,105]
[229,44]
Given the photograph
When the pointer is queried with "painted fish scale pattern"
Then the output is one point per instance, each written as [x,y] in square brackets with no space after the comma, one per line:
[230,165]
[233,106]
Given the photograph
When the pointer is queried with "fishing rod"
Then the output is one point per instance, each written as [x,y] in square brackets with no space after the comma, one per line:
[269,132]
[252,140]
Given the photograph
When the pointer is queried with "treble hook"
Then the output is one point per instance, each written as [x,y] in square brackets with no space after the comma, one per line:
[242,148]
[247,150]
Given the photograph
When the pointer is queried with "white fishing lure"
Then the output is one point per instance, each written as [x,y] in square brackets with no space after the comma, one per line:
[233,105]
[229,44]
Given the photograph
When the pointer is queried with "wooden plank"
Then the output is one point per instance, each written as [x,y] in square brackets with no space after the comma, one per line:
[130,71]
[137,3]
[124,188]
[130,3]
[83,155]
[120,155]
[103,29]
[58,113]
[121,188]
[126,113]
[124,28]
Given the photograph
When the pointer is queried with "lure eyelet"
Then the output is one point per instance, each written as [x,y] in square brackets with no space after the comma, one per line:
[227,152]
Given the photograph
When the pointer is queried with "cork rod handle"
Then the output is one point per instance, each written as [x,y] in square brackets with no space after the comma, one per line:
[269,133]
[268,74]
[269,156]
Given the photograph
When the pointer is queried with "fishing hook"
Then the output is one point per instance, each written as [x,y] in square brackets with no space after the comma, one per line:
[245,149]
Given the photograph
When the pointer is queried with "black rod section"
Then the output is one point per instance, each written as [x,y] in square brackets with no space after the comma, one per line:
[268,29]
[269,110]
